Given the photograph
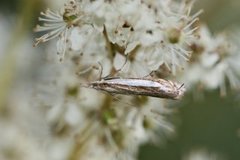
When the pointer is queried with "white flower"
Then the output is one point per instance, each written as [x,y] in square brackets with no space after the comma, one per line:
[60,24]
[162,34]
[175,33]
[216,62]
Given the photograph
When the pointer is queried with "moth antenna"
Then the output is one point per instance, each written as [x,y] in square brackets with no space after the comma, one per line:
[181,86]
[125,62]
[84,71]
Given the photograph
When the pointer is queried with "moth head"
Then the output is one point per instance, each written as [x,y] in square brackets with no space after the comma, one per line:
[181,90]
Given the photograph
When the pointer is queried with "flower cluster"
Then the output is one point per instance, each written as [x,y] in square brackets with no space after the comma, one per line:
[214,63]
[127,38]
[142,32]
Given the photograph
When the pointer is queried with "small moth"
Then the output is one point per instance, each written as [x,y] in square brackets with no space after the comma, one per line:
[140,86]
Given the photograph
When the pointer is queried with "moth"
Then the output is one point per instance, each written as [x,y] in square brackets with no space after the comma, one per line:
[140,86]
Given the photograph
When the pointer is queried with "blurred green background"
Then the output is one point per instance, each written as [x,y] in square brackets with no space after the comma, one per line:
[212,123]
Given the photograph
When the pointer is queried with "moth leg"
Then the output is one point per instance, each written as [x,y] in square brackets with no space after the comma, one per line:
[150,75]
[101,71]
[114,71]
[109,78]
[100,74]
[125,62]
[111,75]
[120,100]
